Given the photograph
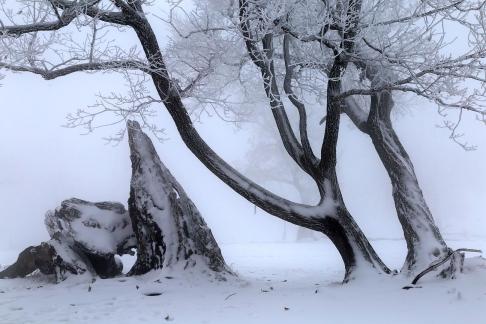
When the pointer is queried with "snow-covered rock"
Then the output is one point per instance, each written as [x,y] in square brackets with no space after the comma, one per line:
[85,237]
[53,257]
[99,228]
[162,223]
[93,231]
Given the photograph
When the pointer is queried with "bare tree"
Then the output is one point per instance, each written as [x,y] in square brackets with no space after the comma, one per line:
[398,48]
[364,48]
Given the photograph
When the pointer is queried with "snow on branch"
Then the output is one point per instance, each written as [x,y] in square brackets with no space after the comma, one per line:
[263,59]
[50,74]
[90,41]
[410,47]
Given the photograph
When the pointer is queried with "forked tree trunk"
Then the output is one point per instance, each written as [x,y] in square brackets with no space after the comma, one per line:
[168,227]
[358,255]
[337,224]
[424,240]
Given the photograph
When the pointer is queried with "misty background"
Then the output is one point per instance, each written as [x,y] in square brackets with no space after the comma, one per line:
[43,163]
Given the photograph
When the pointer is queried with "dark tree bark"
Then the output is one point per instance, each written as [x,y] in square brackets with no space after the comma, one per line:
[168,226]
[424,240]
[425,243]
[329,217]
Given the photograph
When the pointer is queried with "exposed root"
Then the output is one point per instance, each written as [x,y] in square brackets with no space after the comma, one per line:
[454,255]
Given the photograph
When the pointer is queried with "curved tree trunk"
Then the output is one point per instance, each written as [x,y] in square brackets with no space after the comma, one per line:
[424,240]
[168,227]
[337,224]
[358,255]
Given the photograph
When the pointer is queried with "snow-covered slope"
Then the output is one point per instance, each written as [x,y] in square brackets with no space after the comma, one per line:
[279,283]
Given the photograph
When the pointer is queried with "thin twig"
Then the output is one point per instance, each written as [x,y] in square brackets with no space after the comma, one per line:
[229,296]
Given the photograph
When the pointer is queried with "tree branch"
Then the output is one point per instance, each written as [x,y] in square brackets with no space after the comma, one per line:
[334,85]
[289,70]
[264,61]
[437,264]
[65,19]
[416,16]
[107,16]
[298,214]
[357,115]
[96,66]
[69,12]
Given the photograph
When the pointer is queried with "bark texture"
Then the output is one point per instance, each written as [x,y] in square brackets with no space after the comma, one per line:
[336,223]
[168,226]
[424,240]
[425,243]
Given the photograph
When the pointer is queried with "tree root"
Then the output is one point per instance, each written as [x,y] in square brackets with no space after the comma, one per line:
[438,263]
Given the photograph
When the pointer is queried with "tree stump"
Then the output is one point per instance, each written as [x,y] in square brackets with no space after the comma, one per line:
[168,227]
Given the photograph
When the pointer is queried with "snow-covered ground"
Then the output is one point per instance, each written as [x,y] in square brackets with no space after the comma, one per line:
[278,283]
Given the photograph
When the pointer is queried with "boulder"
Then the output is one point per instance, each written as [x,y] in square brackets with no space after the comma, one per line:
[98,228]
[85,236]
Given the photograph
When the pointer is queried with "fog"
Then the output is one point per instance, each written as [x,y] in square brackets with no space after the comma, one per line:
[43,163]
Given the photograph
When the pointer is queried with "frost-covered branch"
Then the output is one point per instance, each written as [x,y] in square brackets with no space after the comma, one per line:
[264,61]
[50,74]
[287,85]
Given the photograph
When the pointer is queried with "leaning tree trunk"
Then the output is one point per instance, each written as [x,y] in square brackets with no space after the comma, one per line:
[424,240]
[352,244]
[168,227]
